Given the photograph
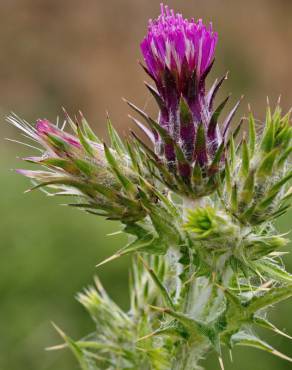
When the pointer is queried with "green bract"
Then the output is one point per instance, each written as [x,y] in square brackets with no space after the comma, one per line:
[258,171]
[203,270]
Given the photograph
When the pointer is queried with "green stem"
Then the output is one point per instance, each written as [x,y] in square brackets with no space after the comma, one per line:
[188,355]
[203,301]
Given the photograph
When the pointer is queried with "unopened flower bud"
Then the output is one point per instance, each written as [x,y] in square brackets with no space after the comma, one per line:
[78,166]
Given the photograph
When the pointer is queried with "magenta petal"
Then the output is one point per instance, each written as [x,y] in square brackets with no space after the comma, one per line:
[171,38]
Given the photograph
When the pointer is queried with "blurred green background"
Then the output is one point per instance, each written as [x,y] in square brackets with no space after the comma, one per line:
[82,55]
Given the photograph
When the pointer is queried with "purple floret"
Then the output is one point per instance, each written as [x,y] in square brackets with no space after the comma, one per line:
[176,52]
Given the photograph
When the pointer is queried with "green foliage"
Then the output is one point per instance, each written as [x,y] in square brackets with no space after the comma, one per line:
[258,174]
[213,226]
[183,176]
[204,270]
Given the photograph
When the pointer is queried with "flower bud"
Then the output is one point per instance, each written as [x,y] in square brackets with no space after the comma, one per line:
[81,167]
[213,228]
[257,176]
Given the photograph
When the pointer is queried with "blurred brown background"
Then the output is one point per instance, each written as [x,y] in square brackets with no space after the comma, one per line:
[83,55]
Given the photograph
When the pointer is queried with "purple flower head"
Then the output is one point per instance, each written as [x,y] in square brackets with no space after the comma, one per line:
[178,54]
[188,137]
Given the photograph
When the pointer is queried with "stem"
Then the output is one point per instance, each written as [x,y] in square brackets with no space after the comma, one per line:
[189,355]
[203,301]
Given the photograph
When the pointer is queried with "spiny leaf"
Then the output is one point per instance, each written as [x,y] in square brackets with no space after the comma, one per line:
[273,270]
[229,118]
[276,187]
[167,202]
[217,159]
[105,191]
[248,213]
[237,129]
[124,180]
[214,89]
[156,162]
[168,140]
[58,142]
[228,178]
[69,120]
[273,192]
[85,143]
[147,243]
[197,177]
[139,111]
[200,152]
[195,328]
[266,166]
[76,350]
[246,194]
[268,139]
[159,285]
[134,156]
[265,203]
[186,117]
[274,295]
[116,141]
[86,167]
[172,329]
[67,181]
[234,198]
[145,147]
[268,325]
[150,134]
[215,116]
[244,339]
[65,164]
[252,134]
[232,154]
[87,129]
[283,158]
[245,158]
[156,96]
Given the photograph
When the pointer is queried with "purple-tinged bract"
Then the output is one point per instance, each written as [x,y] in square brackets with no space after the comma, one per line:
[76,164]
[46,129]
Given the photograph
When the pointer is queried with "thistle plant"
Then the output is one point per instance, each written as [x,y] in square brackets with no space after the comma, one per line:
[198,206]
